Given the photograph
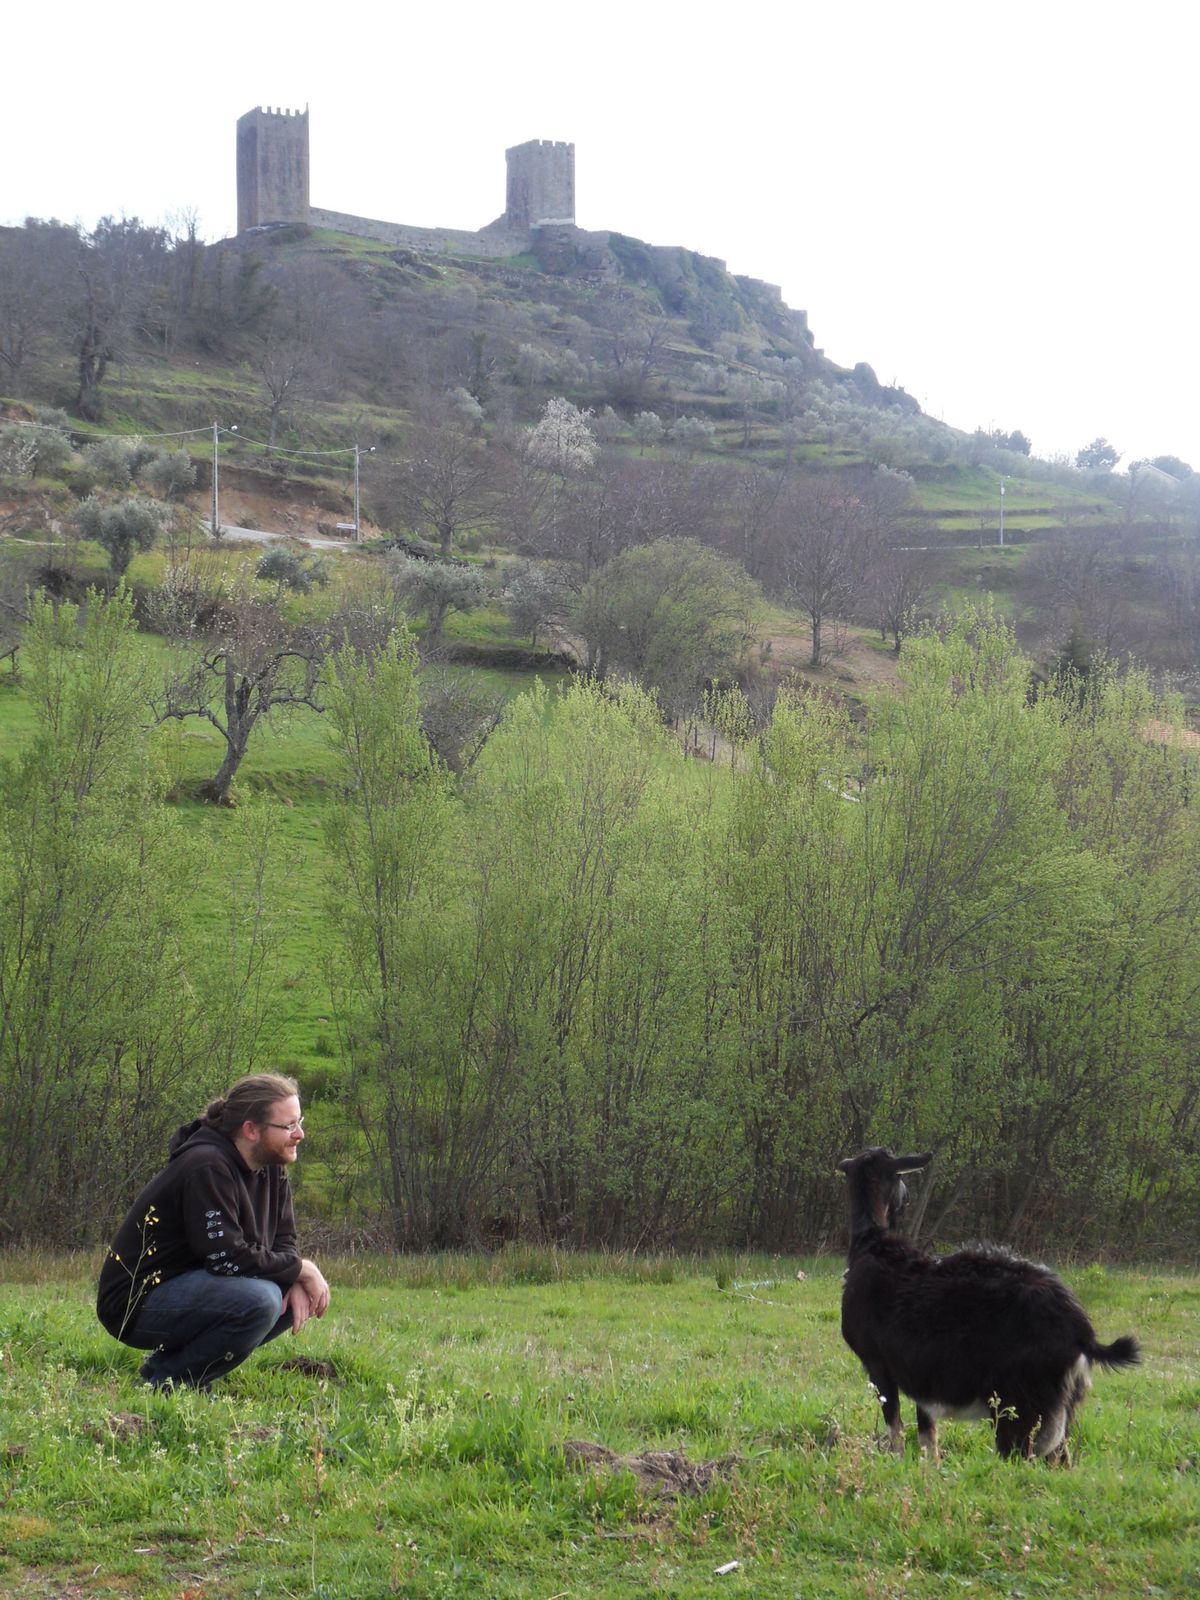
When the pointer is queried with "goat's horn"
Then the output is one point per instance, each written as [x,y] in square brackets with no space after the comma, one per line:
[911,1163]
[844,1166]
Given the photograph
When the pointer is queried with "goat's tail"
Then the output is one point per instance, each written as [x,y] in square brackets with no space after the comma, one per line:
[1120,1353]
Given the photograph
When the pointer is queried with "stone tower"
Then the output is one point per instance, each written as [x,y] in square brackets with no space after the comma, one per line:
[541,183]
[272,167]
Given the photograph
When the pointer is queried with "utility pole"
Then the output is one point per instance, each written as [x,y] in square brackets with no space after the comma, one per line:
[357,455]
[1002,513]
[216,515]
[215,525]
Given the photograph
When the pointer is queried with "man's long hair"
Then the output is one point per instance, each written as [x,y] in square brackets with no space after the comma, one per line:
[250,1100]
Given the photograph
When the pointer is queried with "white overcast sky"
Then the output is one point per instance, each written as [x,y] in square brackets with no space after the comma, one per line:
[993,205]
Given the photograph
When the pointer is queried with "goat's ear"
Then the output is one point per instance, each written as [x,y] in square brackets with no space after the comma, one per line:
[911,1163]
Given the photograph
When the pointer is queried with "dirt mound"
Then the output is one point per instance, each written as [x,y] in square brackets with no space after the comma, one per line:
[667,1473]
[311,1367]
[120,1427]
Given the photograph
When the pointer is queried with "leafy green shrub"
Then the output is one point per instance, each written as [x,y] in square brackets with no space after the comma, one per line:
[288,569]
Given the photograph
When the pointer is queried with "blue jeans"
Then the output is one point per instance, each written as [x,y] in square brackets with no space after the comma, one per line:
[200,1326]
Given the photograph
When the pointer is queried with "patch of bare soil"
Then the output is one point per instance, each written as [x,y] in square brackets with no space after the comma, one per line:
[119,1427]
[853,661]
[253,508]
[664,1473]
[28,513]
[311,1367]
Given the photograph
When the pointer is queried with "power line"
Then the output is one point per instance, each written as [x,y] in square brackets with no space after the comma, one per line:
[277,449]
[183,433]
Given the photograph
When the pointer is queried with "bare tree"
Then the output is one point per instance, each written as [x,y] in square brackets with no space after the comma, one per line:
[1077,588]
[34,264]
[115,267]
[245,664]
[751,524]
[291,347]
[173,306]
[635,354]
[898,587]
[443,485]
[624,501]
[14,613]
[458,716]
[829,539]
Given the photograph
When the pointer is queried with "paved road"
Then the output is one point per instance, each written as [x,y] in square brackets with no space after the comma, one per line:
[229,530]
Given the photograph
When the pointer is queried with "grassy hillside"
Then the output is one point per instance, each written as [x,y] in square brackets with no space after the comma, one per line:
[375,329]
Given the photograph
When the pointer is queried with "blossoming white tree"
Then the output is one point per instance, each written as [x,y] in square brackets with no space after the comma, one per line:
[562,441]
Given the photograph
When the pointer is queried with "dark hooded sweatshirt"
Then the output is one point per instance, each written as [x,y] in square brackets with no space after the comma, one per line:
[206,1210]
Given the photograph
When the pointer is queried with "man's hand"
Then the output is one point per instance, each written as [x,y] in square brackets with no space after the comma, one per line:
[297,1301]
[314,1286]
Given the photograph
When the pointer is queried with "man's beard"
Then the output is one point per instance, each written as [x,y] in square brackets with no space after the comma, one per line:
[271,1159]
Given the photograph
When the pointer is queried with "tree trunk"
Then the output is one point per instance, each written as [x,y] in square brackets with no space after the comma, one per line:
[240,718]
[218,790]
[93,364]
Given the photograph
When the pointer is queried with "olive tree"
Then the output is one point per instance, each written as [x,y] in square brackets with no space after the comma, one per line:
[433,589]
[123,527]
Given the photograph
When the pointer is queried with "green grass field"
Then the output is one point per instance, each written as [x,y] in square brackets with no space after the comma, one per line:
[429,1461]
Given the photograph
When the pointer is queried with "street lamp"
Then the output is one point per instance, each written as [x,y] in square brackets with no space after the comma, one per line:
[357,455]
[1002,513]
[216,519]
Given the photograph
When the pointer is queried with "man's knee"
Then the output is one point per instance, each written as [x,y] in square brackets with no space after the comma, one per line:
[260,1303]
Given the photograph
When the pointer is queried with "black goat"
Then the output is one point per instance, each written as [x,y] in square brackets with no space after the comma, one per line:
[980,1333]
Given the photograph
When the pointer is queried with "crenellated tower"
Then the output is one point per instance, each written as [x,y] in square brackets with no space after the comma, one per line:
[541,183]
[272,167]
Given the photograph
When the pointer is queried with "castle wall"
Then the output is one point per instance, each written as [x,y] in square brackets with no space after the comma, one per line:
[272,167]
[541,183]
[496,241]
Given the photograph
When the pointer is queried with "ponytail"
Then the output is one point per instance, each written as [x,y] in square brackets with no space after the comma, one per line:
[250,1100]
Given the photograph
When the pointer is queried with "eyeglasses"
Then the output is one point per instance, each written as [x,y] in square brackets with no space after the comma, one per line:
[287,1127]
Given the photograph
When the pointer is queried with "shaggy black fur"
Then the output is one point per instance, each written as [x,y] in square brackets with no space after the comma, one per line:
[981,1333]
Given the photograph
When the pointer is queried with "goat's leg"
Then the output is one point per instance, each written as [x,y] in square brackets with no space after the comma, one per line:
[927,1435]
[895,1426]
[1077,1389]
[889,1400]
[1014,1435]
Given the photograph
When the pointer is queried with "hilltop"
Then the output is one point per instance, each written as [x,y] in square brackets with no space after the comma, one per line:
[705,393]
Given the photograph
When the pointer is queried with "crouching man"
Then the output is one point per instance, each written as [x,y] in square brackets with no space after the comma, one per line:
[205,1268]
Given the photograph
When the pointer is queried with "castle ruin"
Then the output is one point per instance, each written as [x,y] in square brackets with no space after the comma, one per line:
[538,217]
[272,185]
[541,184]
[272,167]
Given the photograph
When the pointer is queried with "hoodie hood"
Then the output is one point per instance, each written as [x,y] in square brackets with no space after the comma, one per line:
[197,1132]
